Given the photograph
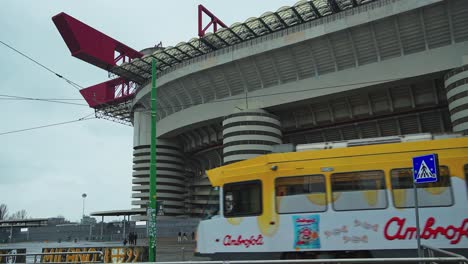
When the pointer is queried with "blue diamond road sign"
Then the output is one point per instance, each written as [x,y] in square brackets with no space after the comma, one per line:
[425,168]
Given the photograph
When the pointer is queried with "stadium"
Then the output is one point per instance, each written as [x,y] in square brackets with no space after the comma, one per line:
[319,71]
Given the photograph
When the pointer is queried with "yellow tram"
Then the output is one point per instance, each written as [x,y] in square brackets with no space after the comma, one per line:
[355,196]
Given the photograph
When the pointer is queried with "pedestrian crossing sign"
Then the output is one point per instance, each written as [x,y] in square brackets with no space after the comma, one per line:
[425,168]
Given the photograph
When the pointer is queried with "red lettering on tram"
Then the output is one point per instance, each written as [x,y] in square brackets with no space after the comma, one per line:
[246,242]
[395,229]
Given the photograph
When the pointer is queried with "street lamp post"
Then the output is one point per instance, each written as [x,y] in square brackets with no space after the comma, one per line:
[83,196]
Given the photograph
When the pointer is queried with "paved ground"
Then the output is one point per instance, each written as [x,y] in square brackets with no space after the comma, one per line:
[168,249]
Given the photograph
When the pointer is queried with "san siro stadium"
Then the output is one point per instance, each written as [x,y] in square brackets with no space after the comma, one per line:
[319,71]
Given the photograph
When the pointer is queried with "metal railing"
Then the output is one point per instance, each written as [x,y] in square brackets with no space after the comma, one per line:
[428,260]
[435,252]
[40,255]
[432,255]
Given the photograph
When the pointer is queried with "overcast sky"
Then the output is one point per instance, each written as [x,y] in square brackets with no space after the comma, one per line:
[45,171]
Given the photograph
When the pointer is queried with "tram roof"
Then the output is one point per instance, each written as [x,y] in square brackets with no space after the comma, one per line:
[236,172]
[117,212]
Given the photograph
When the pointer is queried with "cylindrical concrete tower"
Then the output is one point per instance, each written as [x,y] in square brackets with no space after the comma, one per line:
[249,133]
[170,169]
[456,84]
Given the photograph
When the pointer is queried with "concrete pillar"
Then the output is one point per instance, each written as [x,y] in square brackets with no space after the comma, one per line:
[456,85]
[249,133]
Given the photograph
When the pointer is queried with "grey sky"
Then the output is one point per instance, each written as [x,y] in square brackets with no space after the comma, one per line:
[45,171]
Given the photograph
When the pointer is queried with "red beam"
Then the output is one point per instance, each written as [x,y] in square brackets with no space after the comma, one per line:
[108,93]
[91,45]
[214,21]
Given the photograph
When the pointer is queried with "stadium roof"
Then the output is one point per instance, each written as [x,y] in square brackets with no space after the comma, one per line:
[118,212]
[24,222]
[139,70]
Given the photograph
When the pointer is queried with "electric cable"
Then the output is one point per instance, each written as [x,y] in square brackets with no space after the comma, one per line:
[75,85]
[84,118]
[13,97]
[56,99]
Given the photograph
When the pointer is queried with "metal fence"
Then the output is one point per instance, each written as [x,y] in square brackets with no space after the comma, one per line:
[37,257]
[431,255]
[310,261]
[423,260]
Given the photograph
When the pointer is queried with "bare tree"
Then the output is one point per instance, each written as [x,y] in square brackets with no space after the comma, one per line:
[19,215]
[3,211]
[22,214]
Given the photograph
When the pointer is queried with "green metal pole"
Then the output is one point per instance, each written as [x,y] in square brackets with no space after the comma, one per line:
[152,205]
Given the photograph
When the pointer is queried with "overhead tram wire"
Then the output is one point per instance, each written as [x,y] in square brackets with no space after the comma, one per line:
[16,97]
[75,85]
[84,118]
[58,101]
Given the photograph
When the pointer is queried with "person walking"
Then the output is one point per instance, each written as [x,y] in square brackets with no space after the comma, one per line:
[130,238]
[185,236]
[193,236]
[179,237]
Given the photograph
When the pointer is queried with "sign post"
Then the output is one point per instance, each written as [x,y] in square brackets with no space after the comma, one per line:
[160,206]
[425,170]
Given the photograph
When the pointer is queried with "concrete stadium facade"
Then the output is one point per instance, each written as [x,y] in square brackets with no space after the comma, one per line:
[389,67]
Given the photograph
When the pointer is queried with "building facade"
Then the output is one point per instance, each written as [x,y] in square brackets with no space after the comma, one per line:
[376,68]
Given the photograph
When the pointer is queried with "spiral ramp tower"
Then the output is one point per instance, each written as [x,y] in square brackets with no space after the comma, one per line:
[248,134]
[171,178]
[456,84]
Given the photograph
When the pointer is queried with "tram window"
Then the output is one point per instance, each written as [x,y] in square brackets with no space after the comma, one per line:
[360,190]
[242,199]
[300,194]
[429,194]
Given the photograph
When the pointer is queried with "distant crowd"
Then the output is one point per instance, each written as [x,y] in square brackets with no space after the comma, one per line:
[183,236]
[132,239]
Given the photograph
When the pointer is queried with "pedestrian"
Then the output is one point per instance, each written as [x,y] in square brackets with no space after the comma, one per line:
[130,238]
[179,237]
[185,236]
[125,242]
[135,237]
[193,236]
